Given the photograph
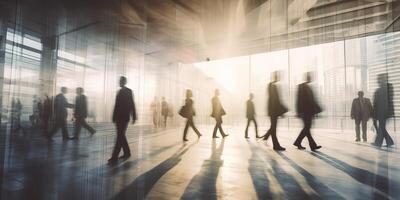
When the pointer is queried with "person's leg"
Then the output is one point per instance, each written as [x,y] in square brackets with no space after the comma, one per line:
[124,141]
[246,132]
[269,132]
[57,125]
[388,139]
[311,140]
[220,128]
[302,133]
[357,124]
[215,129]
[186,130]
[117,147]
[380,132]
[77,128]
[45,126]
[87,126]
[64,129]
[364,130]
[274,123]
[256,127]
[165,120]
[191,123]
[155,119]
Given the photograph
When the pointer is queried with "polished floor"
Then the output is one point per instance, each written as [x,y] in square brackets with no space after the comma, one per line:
[163,167]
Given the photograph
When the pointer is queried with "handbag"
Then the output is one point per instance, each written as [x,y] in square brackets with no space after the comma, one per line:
[182,112]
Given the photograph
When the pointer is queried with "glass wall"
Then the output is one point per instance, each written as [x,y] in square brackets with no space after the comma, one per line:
[21,73]
[340,69]
[34,69]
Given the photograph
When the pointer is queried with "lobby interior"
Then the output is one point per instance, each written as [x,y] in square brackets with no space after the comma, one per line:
[163,48]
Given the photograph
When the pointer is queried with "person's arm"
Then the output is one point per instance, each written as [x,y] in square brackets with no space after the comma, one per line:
[75,109]
[114,116]
[352,113]
[375,105]
[298,101]
[132,103]
[66,104]
[253,109]
[85,107]
[371,109]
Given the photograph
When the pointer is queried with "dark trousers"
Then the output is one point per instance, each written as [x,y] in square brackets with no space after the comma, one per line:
[218,126]
[307,121]
[272,132]
[363,124]
[383,134]
[121,142]
[79,123]
[45,125]
[16,122]
[248,124]
[165,120]
[190,123]
[60,124]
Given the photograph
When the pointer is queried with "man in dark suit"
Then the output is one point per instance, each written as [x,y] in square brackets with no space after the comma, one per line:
[45,113]
[361,111]
[124,109]
[80,113]
[188,112]
[383,110]
[250,114]
[275,109]
[217,113]
[60,114]
[306,107]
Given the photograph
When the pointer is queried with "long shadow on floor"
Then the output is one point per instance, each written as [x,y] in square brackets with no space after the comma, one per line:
[127,165]
[323,191]
[258,176]
[361,175]
[142,185]
[204,184]
[292,189]
[379,182]
[363,159]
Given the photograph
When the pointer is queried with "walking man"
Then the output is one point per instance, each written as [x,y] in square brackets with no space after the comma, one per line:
[307,107]
[80,113]
[361,111]
[250,114]
[383,110]
[217,113]
[60,111]
[124,109]
[275,110]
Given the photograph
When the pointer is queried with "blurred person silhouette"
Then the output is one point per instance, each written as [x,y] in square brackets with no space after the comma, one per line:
[217,113]
[81,113]
[250,114]
[155,110]
[16,112]
[383,110]
[307,107]
[34,118]
[361,111]
[275,110]
[45,111]
[60,114]
[187,111]
[124,109]
[164,111]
